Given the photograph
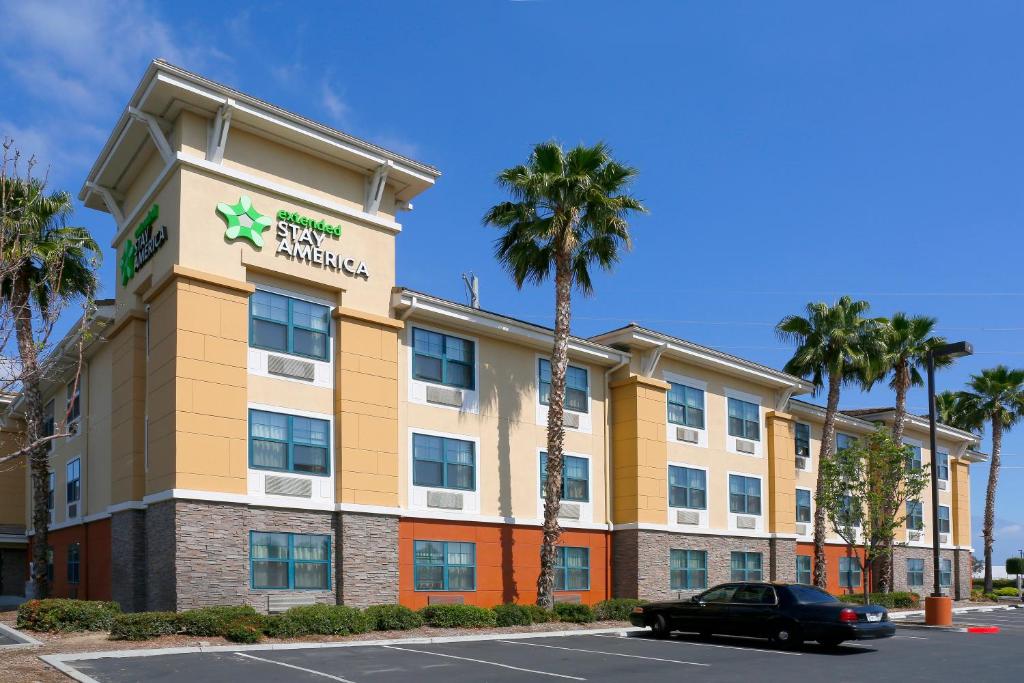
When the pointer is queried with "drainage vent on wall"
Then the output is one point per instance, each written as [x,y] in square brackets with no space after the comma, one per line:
[290,367]
[288,486]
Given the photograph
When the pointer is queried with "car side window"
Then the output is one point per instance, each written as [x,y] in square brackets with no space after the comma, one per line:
[719,594]
[754,595]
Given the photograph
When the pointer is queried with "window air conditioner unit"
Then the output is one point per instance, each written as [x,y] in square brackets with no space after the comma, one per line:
[914,535]
[743,522]
[943,538]
[691,517]
[569,511]
[445,396]
[801,463]
[571,419]
[943,484]
[801,529]
[744,446]
[687,435]
[72,510]
[446,500]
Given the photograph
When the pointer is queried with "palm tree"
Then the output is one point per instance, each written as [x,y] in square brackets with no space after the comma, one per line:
[997,394]
[834,345]
[953,409]
[46,263]
[568,211]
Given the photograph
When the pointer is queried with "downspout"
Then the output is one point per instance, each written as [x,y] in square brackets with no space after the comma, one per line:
[608,478]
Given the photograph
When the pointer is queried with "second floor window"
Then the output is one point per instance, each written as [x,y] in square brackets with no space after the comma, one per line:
[943,519]
[281,323]
[914,459]
[803,506]
[442,359]
[289,443]
[744,495]
[844,441]
[74,479]
[850,513]
[744,420]
[943,466]
[575,477]
[49,492]
[48,424]
[803,440]
[849,572]
[685,406]
[687,488]
[441,462]
[915,515]
[575,386]
[74,406]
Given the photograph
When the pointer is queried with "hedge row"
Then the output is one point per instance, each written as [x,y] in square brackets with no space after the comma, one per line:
[243,624]
[892,600]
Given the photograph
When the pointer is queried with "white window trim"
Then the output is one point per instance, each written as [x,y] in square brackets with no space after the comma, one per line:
[257,358]
[949,464]
[730,441]
[417,495]
[417,387]
[322,487]
[705,514]
[587,508]
[81,489]
[759,527]
[810,445]
[586,419]
[810,524]
[671,427]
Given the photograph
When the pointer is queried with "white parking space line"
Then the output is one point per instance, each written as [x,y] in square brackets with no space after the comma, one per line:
[484,661]
[725,647]
[297,668]
[911,637]
[602,652]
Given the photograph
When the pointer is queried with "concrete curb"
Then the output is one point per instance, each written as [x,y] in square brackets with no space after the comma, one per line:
[60,661]
[26,640]
[898,616]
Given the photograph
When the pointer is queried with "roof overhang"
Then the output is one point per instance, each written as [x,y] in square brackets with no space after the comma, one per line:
[643,339]
[846,421]
[919,422]
[973,456]
[409,304]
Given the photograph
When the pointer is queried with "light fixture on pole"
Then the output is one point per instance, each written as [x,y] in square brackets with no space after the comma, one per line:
[938,607]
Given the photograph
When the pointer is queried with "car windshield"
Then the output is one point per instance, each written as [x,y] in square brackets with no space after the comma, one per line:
[811,595]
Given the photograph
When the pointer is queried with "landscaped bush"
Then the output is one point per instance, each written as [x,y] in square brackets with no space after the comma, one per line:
[458,616]
[244,631]
[895,600]
[616,609]
[996,583]
[214,621]
[144,625]
[512,615]
[57,614]
[1007,592]
[392,618]
[320,620]
[574,612]
[539,615]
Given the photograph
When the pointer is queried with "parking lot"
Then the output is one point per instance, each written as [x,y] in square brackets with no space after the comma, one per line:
[914,654]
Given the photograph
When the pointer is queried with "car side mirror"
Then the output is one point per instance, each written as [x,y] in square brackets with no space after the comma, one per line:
[696,600]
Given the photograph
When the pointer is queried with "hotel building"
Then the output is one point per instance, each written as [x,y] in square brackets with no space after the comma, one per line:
[264,416]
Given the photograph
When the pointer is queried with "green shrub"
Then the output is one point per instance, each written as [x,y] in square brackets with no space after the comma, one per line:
[1015,565]
[512,615]
[574,612]
[1006,592]
[892,600]
[539,615]
[458,616]
[143,625]
[320,620]
[996,583]
[58,614]
[244,631]
[214,621]
[392,618]
[616,609]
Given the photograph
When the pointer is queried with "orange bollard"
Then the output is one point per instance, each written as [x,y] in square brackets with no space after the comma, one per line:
[938,611]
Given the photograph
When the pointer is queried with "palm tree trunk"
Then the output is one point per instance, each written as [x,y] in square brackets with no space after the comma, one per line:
[828,439]
[38,457]
[556,431]
[990,496]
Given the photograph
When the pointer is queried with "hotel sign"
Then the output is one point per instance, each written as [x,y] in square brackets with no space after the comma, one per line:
[139,248]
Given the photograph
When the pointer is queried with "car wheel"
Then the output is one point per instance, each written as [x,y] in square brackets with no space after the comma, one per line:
[659,627]
[786,635]
[830,643]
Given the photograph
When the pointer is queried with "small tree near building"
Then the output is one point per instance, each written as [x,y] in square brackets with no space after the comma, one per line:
[864,495]
[1015,565]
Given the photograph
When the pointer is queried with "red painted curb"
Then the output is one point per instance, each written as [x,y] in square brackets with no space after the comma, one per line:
[983,629]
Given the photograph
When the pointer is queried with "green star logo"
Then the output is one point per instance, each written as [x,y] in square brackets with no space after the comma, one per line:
[244,221]
[128,262]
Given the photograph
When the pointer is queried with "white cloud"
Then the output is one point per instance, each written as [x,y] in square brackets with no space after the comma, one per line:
[397,144]
[334,104]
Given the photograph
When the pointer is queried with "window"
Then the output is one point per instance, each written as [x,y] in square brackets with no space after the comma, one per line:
[688,569]
[943,519]
[746,566]
[442,359]
[290,561]
[440,566]
[744,495]
[844,441]
[288,443]
[803,569]
[281,323]
[74,565]
[74,485]
[49,565]
[744,420]
[687,488]
[575,477]
[945,572]
[803,505]
[915,572]
[850,513]
[685,406]
[849,572]
[914,459]
[575,386]
[443,463]
[48,422]
[915,515]
[49,493]
[803,440]
[74,407]
[942,471]
[572,569]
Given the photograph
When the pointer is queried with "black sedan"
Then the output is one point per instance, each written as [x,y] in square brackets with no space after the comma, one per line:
[787,614]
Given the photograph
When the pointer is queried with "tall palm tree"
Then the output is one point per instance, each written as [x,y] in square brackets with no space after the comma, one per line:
[834,345]
[568,211]
[46,263]
[953,408]
[997,394]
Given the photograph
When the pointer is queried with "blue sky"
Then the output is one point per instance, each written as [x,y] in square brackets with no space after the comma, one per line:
[788,151]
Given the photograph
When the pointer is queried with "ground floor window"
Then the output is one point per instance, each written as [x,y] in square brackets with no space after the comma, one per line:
[442,566]
[289,561]
[688,569]
[915,572]
[572,569]
[945,573]
[849,572]
[49,565]
[74,566]
[746,566]
[803,569]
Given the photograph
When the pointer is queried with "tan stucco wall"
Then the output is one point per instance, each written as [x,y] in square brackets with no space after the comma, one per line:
[639,454]
[128,408]
[13,482]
